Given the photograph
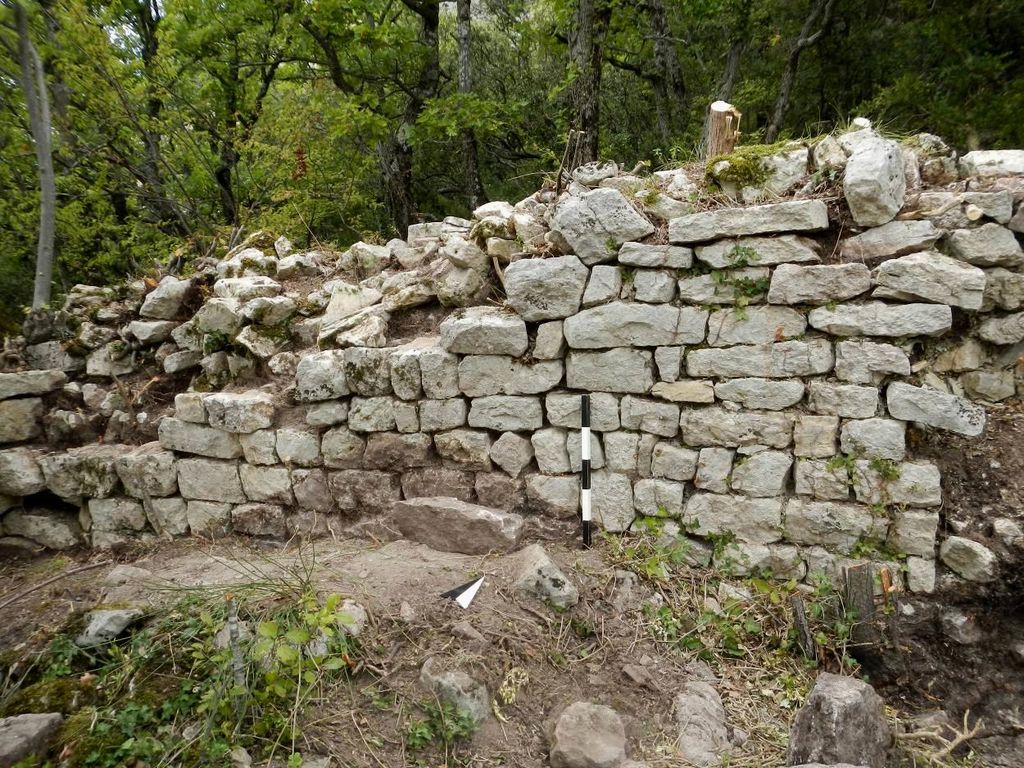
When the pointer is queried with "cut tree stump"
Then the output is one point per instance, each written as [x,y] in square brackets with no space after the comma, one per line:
[723,129]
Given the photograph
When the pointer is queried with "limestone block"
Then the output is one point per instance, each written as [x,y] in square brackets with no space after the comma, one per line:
[484,331]
[793,216]
[546,289]
[878,319]
[210,480]
[795,284]
[757,521]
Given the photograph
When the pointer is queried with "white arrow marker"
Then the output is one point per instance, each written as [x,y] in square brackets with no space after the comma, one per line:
[464,594]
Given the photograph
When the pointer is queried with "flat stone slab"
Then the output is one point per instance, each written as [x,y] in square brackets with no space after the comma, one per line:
[450,525]
[793,216]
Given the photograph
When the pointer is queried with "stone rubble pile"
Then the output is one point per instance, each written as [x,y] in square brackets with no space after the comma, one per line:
[752,380]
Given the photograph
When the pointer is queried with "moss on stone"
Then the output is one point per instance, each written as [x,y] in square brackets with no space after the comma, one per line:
[65,695]
[746,167]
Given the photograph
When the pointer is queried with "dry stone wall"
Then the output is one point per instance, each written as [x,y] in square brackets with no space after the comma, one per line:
[754,371]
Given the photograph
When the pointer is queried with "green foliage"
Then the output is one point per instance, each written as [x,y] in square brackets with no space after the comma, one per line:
[441,727]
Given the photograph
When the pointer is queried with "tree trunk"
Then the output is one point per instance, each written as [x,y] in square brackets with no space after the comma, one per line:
[586,40]
[820,9]
[473,185]
[670,88]
[37,102]
[223,176]
[741,36]
[394,157]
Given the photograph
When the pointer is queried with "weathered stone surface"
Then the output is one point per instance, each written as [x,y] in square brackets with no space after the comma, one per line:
[546,289]
[874,438]
[815,436]
[368,371]
[50,355]
[842,721]
[992,163]
[989,245]
[327,414]
[210,480]
[104,626]
[439,373]
[20,419]
[622,324]
[563,410]
[456,688]
[186,437]
[265,520]
[877,319]
[654,286]
[556,496]
[449,525]
[464,449]
[935,409]
[311,491]
[512,453]
[346,302]
[893,239]
[758,521]
[484,331]
[549,448]
[27,736]
[1003,330]
[148,471]
[757,251]
[991,386]
[874,184]
[931,276]
[211,519]
[821,284]
[259,447]
[866,362]
[969,559]
[372,414]
[168,516]
[246,288]
[165,301]
[616,370]
[828,524]
[612,501]
[596,223]
[298,448]
[703,735]
[915,484]
[847,400]
[604,285]
[968,356]
[497,490]
[505,414]
[667,256]
[673,462]
[920,574]
[537,575]
[550,341]
[482,375]
[269,311]
[51,528]
[764,474]
[20,474]
[658,498]
[793,216]
[822,480]
[363,491]
[776,361]
[82,473]
[30,383]
[587,735]
[719,427]
[913,532]
[240,411]
[1003,289]
[110,360]
[651,416]
[761,393]
[439,415]
[437,481]
[725,287]
[188,406]
[669,361]
[714,467]
[321,376]
[755,325]
[390,451]
[342,449]
[689,391]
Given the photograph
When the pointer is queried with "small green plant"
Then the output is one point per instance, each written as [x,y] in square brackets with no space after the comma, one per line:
[742,256]
[887,469]
[443,727]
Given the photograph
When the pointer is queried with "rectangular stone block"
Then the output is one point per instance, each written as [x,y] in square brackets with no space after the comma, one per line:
[617,370]
[622,324]
[505,413]
[719,427]
[787,359]
[563,410]
[847,400]
[210,480]
[186,437]
[757,521]
[794,216]
[829,524]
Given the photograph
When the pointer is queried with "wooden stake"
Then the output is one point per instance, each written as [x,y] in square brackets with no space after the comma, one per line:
[723,129]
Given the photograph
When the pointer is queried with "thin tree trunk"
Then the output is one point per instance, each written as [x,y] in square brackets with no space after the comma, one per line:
[37,102]
[474,186]
[741,36]
[586,40]
[820,9]
[670,88]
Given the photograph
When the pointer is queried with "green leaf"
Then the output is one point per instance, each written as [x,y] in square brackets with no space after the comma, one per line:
[297,635]
[287,654]
[267,629]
